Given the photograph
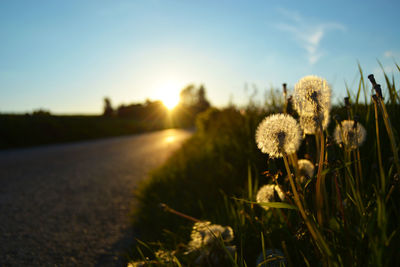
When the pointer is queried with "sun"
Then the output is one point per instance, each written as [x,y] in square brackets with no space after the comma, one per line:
[169,94]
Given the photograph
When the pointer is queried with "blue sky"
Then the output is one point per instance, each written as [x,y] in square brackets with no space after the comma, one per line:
[65,56]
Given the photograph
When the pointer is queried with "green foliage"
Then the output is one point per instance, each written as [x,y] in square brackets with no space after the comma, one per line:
[217,173]
[205,165]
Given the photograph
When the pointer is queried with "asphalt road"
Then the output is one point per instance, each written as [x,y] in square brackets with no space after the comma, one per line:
[68,205]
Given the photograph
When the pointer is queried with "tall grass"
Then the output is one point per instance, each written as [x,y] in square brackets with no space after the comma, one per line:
[216,175]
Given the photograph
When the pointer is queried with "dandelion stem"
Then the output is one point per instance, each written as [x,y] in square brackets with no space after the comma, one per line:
[356,171]
[285,98]
[389,194]
[386,119]
[316,235]
[317,144]
[350,183]
[389,129]
[320,185]
[339,199]
[166,208]
[359,166]
[378,143]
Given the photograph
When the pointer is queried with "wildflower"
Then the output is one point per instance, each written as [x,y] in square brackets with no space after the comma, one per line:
[278,134]
[312,96]
[310,123]
[205,234]
[269,193]
[306,169]
[352,134]
[206,241]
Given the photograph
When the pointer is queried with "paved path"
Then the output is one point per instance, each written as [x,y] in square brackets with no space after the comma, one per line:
[67,205]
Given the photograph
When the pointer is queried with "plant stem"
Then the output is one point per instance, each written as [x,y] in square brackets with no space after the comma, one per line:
[320,184]
[316,235]
[356,171]
[378,144]
[359,166]
[389,129]
[166,208]
[340,200]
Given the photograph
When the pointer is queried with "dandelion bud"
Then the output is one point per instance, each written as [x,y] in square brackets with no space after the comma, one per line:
[278,134]
[284,89]
[377,87]
[289,108]
[347,102]
[356,119]
[372,79]
[350,133]
[336,117]
[284,86]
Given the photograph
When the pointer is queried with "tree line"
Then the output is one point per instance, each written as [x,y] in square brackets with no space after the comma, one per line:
[193,100]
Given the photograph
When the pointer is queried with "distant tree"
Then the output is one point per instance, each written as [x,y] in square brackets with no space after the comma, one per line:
[194,98]
[202,102]
[188,96]
[108,109]
[41,112]
[152,113]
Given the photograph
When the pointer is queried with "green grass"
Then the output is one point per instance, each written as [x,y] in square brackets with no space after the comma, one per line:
[217,173]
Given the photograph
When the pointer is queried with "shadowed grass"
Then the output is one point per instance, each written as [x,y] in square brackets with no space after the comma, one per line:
[217,173]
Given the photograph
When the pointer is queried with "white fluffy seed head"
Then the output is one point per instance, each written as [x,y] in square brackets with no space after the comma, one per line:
[310,123]
[306,168]
[312,95]
[278,134]
[268,193]
[204,234]
[349,134]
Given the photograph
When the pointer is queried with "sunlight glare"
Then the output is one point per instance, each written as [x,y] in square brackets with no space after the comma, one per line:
[170,139]
[169,94]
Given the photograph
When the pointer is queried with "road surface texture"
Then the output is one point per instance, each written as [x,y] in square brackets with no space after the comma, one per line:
[68,205]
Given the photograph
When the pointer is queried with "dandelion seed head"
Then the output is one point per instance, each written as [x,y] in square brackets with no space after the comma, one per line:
[204,234]
[350,134]
[306,168]
[312,95]
[310,123]
[278,134]
[269,193]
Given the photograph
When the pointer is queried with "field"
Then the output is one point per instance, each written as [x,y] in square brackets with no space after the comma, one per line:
[344,214]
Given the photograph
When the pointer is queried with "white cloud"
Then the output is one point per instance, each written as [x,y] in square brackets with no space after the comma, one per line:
[307,33]
[391,54]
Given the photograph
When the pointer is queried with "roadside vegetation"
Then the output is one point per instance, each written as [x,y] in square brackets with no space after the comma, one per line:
[41,127]
[316,185]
